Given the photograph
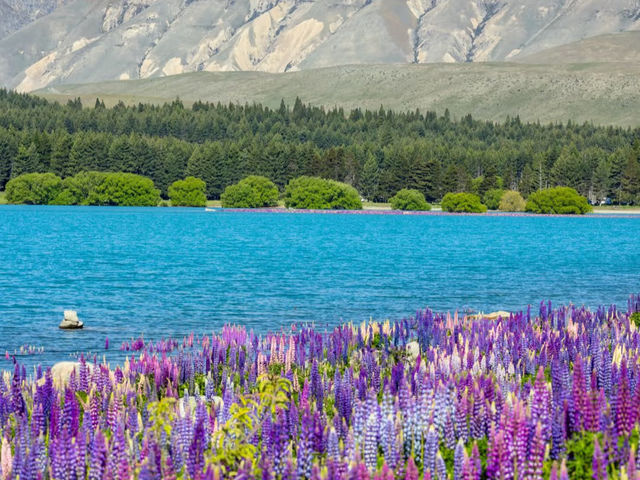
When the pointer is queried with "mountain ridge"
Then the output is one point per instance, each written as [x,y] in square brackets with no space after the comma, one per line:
[15,14]
[99,40]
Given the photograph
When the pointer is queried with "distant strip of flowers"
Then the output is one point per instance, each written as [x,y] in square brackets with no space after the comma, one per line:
[437,213]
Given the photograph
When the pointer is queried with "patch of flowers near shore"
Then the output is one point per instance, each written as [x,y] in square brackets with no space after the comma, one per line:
[553,395]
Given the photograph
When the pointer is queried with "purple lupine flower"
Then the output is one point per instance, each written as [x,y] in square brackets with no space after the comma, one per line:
[245,471]
[632,472]
[430,450]
[388,441]
[359,472]
[622,405]
[304,448]
[449,436]
[541,404]
[462,424]
[370,443]
[479,418]
[412,470]
[535,460]
[458,460]
[333,445]
[316,385]
[578,396]
[599,464]
[195,458]
[474,466]
[441,468]
[564,475]
[17,401]
[289,471]
[98,457]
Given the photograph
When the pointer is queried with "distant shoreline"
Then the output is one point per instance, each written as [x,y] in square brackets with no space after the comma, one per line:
[385,209]
[631,213]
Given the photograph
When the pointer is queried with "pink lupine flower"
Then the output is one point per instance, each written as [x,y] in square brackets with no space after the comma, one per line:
[6,459]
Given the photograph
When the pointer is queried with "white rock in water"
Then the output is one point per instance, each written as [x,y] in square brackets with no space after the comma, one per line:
[70,320]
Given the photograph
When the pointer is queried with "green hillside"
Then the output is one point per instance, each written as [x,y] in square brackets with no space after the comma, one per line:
[612,48]
[604,93]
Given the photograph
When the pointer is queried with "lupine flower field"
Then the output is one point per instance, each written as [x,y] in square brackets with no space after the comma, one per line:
[547,394]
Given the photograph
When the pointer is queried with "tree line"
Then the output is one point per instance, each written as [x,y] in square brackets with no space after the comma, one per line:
[378,152]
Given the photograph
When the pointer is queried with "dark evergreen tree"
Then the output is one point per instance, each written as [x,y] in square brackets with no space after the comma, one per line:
[61,163]
[27,161]
[369,178]
[206,163]
[8,152]
[630,183]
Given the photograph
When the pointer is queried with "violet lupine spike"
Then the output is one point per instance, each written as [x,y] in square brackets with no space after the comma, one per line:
[599,464]
[622,405]
[632,472]
[430,450]
[535,460]
[458,460]
[475,464]
[98,457]
[370,450]
[304,452]
[411,471]
[441,468]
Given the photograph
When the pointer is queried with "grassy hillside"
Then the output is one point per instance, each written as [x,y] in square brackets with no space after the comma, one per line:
[613,48]
[598,92]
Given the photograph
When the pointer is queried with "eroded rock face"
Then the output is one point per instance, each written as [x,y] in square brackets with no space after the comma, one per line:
[14,14]
[97,40]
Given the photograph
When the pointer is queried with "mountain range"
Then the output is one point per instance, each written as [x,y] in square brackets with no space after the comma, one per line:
[15,14]
[48,43]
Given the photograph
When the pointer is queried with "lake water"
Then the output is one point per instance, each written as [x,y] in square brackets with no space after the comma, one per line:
[161,272]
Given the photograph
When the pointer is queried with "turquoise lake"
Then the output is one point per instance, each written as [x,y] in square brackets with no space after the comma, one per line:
[158,272]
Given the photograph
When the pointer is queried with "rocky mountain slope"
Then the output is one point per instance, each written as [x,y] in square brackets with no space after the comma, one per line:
[97,40]
[15,14]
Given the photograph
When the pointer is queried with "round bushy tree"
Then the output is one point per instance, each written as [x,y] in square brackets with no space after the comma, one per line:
[463,203]
[79,189]
[316,193]
[65,197]
[126,190]
[492,198]
[511,201]
[33,188]
[189,192]
[251,192]
[407,199]
[558,200]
